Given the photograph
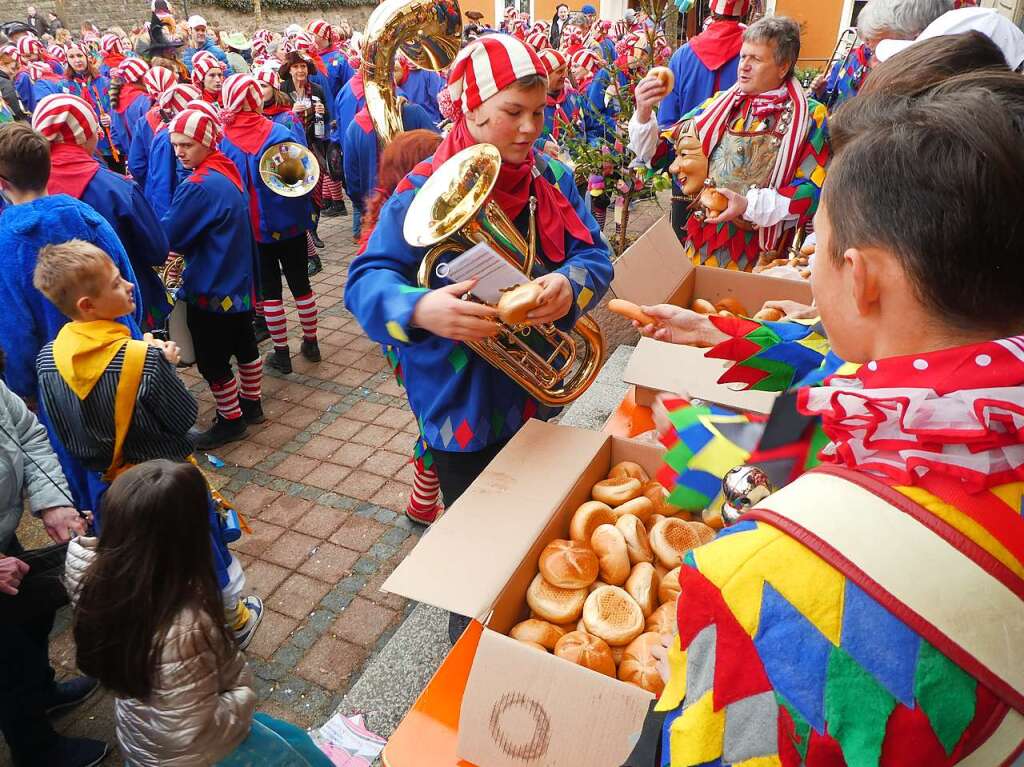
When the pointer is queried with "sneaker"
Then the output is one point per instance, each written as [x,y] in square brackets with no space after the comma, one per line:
[423,519]
[280,360]
[223,431]
[245,634]
[69,694]
[259,327]
[252,410]
[74,752]
[310,350]
[314,266]
[317,242]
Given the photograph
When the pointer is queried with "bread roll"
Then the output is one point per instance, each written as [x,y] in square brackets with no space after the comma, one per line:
[671,538]
[712,517]
[669,588]
[663,620]
[515,304]
[642,585]
[701,306]
[629,469]
[533,645]
[665,76]
[588,518]
[612,554]
[617,653]
[713,200]
[639,666]
[658,496]
[660,569]
[650,523]
[731,305]
[554,604]
[568,564]
[612,614]
[588,651]
[637,545]
[641,508]
[541,632]
[769,314]
[705,533]
[616,492]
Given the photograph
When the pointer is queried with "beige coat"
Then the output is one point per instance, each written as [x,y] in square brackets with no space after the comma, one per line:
[200,710]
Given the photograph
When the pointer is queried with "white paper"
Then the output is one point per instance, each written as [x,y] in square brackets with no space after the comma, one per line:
[347,742]
[493,272]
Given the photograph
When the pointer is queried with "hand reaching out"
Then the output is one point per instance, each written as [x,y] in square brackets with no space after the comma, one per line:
[676,325]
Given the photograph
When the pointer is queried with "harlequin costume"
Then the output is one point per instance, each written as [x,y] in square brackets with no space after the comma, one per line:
[421,87]
[203,64]
[467,409]
[333,63]
[95,90]
[132,102]
[163,171]
[846,78]
[68,122]
[800,644]
[279,223]
[157,81]
[209,224]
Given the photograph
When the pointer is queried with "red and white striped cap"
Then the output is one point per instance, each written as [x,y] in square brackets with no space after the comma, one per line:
[10,51]
[29,46]
[157,80]
[320,28]
[64,118]
[133,69]
[176,98]
[487,66]
[729,7]
[202,56]
[38,69]
[111,43]
[263,35]
[197,125]
[210,110]
[551,59]
[59,53]
[585,58]
[538,40]
[203,67]
[241,93]
[269,76]
[303,42]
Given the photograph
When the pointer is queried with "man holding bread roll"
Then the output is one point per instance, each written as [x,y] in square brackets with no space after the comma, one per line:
[754,154]
[848,616]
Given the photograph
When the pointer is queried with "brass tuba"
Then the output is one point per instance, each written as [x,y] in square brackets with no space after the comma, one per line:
[451,214]
[847,43]
[289,169]
[428,31]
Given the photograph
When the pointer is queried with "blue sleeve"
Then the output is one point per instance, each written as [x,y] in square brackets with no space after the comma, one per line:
[138,151]
[21,337]
[338,129]
[107,240]
[186,219]
[416,117]
[23,87]
[350,154]
[146,238]
[223,58]
[187,58]
[670,109]
[118,132]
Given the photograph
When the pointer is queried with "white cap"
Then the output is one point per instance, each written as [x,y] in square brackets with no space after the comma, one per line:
[196,21]
[292,30]
[1003,32]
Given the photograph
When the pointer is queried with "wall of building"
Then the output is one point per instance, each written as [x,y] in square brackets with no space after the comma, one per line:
[820,22]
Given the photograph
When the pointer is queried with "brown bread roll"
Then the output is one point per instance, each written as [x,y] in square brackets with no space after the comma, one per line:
[650,523]
[769,314]
[612,554]
[588,651]
[612,614]
[640,507]
[642,585]
[630,470]
[663,620]
[639,666]
[568,564]
[668,590]
[588,518]
[637,545]
[515,304]
[671,538]
[616,492]
[705,533]
[541,632]
[658,495]
[554,604]
[701,306]
[732,305]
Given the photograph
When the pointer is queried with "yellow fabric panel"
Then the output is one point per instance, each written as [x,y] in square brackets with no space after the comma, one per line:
[726,563]
[760,761]
[698,735]
[1012,494]
[584,298]
[675,690]
[718,454]
[397,332]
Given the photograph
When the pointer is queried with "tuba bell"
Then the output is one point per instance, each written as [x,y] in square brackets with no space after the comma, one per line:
[450,214]
[429,32]
[289,169]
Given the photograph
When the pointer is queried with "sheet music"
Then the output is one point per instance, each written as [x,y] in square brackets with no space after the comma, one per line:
[493,271]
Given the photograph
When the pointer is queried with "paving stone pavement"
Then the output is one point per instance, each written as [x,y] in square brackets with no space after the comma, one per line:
[323,484]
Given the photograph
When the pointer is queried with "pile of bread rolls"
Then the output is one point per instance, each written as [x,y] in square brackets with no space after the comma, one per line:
[731,307]
[604,597]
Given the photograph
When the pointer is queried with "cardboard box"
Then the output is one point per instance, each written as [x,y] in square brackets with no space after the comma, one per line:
[521,706]
[655,270]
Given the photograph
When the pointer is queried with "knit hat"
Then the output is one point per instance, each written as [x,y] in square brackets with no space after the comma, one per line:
[263,35]
[487,66]
[111,43]
[176,98]
[269,76]
[132,70]
[197,125]
[157,80]
[730,7]
[587,59]
[38,70]
[210,110]
[64,118]
[29,46]
[303,42]
[203,68]
[320,28]
[241,93]
[551,59]
[538,40]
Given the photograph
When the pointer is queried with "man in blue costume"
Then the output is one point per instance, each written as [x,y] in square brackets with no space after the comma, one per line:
[200,41]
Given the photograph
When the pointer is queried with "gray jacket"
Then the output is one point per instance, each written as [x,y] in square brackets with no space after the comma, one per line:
[22,437]
[201,707]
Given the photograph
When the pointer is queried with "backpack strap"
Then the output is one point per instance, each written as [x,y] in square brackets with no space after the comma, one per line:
[124,403]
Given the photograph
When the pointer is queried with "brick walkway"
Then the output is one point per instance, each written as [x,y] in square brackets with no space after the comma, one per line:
[323,484]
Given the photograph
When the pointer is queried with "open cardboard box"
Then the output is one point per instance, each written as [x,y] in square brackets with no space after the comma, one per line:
[655,270]
[521,706]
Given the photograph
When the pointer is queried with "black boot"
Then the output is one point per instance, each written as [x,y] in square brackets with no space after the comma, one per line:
[314,266]
[280,360]
[341,207]
[317,242]
[259,327]
[222,432]
[252,410]
[310,350]
[330,210]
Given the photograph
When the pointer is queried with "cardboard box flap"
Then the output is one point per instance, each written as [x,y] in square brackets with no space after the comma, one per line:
[653,267]
[465,558]
[686,371]
[523,706]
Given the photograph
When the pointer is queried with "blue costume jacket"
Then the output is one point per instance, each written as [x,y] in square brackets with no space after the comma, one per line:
[39,90]
[289,120]
[29,321]
[97,92]
[339,71]
[122,124]
[163,174]
[695,84]
[209,47]
[463,403]
[208,223]
[599,112]
[421,87]
[138,150]
[273,217]
[360,149]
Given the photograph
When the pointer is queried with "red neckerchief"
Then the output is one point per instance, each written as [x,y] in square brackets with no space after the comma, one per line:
[269,110]
[71,169]
[113,60]
[956,413]
[556,218]
[560,117]
[219,162]
[248,131]
[154,119]
[403,72]
[357,85]
[584,83]
[210,97]
[129,93]
[719,44]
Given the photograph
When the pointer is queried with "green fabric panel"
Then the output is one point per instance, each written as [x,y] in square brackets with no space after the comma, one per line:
[946,693]
[857,709]
[497,422]
[679,457]
[687,499]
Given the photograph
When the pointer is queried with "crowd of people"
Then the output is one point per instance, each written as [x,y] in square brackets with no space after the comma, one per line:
[126,158]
